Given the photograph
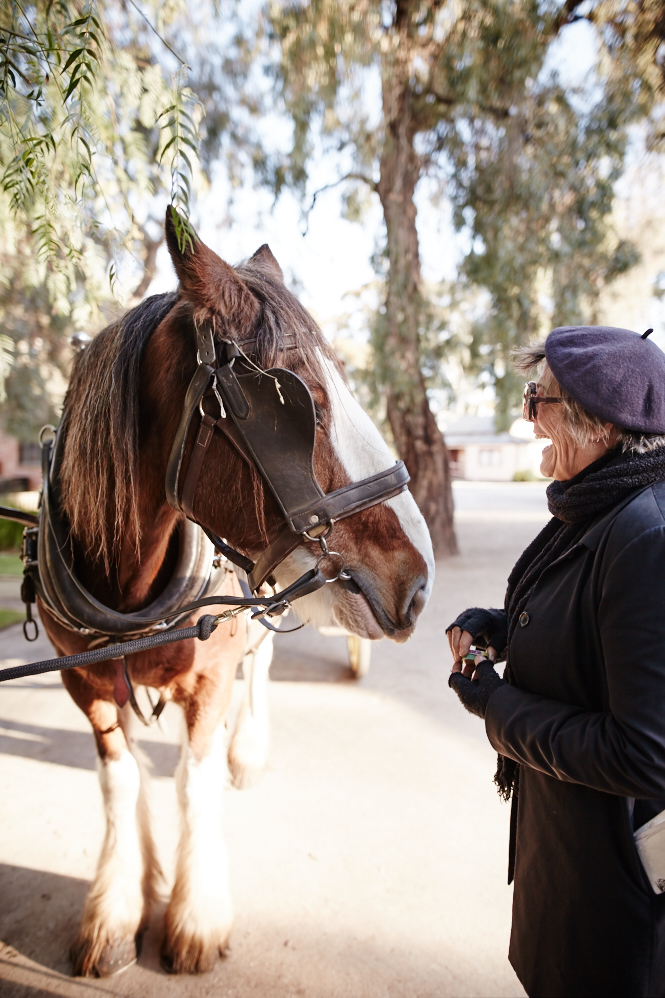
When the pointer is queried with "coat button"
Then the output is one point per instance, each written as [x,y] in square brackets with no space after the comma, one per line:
[524,618]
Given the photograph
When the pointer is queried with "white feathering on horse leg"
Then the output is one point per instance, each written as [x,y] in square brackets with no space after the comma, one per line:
[199,914]
[248,751]
[114,911]
[153,876]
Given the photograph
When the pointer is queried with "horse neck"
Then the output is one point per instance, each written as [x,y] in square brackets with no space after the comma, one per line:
[143,571]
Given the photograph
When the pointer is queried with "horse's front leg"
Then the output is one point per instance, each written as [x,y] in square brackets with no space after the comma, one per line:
[248,751]
[199,914]
[118,904]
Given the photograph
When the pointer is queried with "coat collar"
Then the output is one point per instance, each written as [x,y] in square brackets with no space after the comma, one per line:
[591,539]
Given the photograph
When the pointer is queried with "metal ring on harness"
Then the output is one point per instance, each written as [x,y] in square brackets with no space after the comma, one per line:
[35,633]
[321,537]
[42,434]
[342,573]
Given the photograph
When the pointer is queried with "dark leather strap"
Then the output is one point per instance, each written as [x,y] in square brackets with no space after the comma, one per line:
[71,602]
[229,553]
[18,516]
[197,387]
[335,506]
[351,498]
[233,394]
[270,558]
[196,458]
[205,343]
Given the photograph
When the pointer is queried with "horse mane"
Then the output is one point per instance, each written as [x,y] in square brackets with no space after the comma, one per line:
[99,473]
[99,470]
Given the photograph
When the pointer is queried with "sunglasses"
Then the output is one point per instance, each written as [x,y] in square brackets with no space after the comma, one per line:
[531,399]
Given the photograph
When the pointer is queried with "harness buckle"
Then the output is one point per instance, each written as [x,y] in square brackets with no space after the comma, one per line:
[205,345]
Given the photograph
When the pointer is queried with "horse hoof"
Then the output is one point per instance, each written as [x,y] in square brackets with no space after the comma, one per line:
[191,959]
[113,958]
[166,963]
[116,957]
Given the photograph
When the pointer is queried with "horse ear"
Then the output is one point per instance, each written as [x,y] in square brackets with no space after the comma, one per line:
[267,261]
[205,279]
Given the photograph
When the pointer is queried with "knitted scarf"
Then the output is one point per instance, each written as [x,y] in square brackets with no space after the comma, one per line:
[574,506]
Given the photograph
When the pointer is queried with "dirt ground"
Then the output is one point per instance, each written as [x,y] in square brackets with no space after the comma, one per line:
[371,859]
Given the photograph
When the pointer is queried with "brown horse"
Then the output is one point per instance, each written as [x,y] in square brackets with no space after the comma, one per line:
[123,407]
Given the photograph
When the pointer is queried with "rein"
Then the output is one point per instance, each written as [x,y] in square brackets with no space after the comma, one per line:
[270,418]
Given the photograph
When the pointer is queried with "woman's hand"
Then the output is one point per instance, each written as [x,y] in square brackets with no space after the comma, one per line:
[476,625]
[474,694]
[460,644]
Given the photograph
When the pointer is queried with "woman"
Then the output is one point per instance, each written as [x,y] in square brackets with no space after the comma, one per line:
[579,719]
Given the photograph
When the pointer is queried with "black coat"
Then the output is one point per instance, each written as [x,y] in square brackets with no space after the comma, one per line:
[586,720]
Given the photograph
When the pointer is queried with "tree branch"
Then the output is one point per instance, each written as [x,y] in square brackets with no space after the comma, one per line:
[373,186]
[156,32]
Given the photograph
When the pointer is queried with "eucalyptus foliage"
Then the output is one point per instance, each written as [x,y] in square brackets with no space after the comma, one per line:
[528,164]
[97,122]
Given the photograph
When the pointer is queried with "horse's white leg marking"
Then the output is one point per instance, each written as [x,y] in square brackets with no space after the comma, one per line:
[115,909]
[153,877]
[199,915]
[248,751]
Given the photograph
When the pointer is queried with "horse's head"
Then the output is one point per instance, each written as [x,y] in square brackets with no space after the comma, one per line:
[386,547]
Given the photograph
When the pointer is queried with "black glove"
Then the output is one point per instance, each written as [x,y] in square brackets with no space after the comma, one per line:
[475,693]
[486,627]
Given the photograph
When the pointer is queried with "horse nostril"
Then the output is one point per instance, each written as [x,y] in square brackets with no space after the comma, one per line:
[414,603]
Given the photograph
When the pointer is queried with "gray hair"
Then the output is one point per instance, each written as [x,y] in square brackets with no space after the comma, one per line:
[582,425]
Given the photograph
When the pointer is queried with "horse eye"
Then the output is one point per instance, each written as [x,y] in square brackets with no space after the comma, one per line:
[318,413]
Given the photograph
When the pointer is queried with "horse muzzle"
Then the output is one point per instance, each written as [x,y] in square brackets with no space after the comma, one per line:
[367,610]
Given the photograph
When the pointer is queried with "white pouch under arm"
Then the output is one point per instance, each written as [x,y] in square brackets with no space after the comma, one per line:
[650,842]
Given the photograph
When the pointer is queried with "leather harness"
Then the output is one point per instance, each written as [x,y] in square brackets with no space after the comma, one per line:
[270,418]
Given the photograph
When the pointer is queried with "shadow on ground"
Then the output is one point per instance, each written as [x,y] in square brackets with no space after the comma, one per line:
[40,915]
[75,749]
[305,960]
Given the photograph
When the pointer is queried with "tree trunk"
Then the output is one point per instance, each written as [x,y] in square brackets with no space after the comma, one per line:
[418,439]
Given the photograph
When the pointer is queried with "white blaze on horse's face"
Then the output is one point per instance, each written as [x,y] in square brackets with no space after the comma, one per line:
[395,586]
[363,452]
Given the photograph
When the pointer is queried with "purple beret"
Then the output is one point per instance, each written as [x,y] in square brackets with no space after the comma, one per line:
[614,373]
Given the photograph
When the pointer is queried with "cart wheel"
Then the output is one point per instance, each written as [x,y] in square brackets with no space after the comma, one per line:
[360,653]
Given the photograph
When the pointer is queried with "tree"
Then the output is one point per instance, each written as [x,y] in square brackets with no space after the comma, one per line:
[96,122]
[461,100]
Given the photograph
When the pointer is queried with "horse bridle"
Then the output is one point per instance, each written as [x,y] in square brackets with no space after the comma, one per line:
[270,418]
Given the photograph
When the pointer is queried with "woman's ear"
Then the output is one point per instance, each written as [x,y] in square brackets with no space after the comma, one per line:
[206,281]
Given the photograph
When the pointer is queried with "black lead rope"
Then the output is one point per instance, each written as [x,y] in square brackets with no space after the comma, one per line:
[307,583]
[201,630]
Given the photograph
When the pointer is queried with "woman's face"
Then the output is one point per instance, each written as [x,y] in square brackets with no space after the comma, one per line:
[563,458]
